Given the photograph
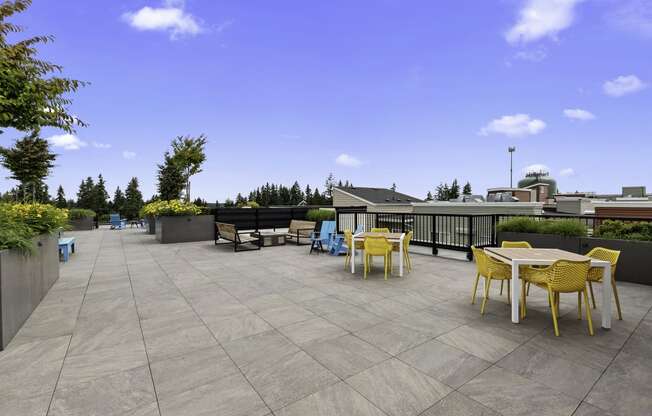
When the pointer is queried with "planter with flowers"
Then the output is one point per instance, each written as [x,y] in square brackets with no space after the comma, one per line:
[148,212]
[29,261]
[182,222]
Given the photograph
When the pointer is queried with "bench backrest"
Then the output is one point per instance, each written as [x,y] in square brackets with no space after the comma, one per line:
[304,227]
[227,231]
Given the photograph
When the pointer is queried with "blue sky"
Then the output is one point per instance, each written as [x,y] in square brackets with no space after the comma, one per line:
[412,92]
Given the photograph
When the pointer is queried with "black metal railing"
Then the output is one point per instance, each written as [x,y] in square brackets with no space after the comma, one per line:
[446,231]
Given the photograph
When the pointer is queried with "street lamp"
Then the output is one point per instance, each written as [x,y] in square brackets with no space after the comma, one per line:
[511,151]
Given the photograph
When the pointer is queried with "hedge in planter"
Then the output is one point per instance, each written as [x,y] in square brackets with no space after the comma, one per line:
[29,261]
[81,219]
[181,222]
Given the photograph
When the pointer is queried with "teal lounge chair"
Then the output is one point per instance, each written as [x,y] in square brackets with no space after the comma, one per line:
[117,223]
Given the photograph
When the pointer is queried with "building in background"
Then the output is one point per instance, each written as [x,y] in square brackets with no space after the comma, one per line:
[374,199]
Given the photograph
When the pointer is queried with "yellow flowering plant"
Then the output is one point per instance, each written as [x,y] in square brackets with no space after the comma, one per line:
[171,208]
[41,218]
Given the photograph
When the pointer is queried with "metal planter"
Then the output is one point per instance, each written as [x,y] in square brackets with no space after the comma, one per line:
[185,229]
[24,282]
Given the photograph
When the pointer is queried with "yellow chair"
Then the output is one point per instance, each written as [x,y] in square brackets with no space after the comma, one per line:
[515,244]
[563,276]
[490,269]
[377,247]
[406,246]
[380,230]
[348,240]
[595,273]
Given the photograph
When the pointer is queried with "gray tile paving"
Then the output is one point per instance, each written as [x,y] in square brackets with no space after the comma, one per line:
[136,328]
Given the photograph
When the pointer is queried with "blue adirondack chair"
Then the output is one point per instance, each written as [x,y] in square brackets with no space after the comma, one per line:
[323,238]
[338,246]
[117,223]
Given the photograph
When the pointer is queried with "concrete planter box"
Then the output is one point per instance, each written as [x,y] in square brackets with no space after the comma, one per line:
[634,264]
[83,224]
[151,225]
[561,242]
[185,229]
[24,282]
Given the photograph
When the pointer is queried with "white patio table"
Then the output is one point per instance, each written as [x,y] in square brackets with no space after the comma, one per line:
[544,257]
[391,237]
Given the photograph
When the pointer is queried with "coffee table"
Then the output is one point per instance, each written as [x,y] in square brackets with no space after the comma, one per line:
[269,238]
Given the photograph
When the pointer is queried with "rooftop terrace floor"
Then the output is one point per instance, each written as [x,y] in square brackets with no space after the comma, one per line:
[133,327]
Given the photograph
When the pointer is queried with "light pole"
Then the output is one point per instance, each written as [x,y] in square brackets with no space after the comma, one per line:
[511,150]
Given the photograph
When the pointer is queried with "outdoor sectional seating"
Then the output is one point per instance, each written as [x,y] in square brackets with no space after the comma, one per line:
[301,229]
[230,233]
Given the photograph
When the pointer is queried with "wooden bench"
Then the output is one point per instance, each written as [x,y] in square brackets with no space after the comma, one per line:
[230,233]
[66,247]
[300,229]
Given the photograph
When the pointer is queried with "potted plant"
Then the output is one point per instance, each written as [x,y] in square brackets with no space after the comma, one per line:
[562,234]
[29,261]
[149,212]
[179,222]
[81,219]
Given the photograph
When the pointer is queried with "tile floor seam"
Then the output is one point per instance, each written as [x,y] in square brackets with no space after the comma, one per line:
[340,379]
[610,363]
[140,325]
[240,370]
[81,304]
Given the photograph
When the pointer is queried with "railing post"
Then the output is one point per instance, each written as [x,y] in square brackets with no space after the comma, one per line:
[402,223]
[494,221]
[434,235]
[257,220]
[355,221]
[469,255]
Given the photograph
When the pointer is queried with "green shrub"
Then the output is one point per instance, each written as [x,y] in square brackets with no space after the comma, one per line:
[320,215]
[80,213]
[619,230]
[568,228]
[172,208]
[14,234]
[41,218]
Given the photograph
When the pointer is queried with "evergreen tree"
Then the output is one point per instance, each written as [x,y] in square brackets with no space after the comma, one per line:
[30,162]
[133,200]
[240,201]
[100,197]
[308,195]
[189,155]
[328,184]
[118,202]
[317,199]
[228,203]
[454,191]
[393,188]
[467,189]
[32,95]
[85,194]
[296,196]
[429,196]
[200,202]
[60,200]
[170,179]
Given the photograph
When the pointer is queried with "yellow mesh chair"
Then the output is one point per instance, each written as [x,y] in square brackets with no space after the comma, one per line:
[563,276]
[515,244]
[348,240]
[380,230]
[490,269]
[377,247]
[595,273]
[406,246]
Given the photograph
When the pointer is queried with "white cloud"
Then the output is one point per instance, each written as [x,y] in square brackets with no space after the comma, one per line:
[633,16]
[171,18]
[128,155]
[347,160]
[536,55]
[66,141]
[540,18]
[101,145]
[516,125]
[536,168]
[579,114]
[623,85]
[567,172]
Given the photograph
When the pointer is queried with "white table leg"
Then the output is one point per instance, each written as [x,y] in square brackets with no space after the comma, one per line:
[606,296]
[400,257]
[516,292]
[352,248]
